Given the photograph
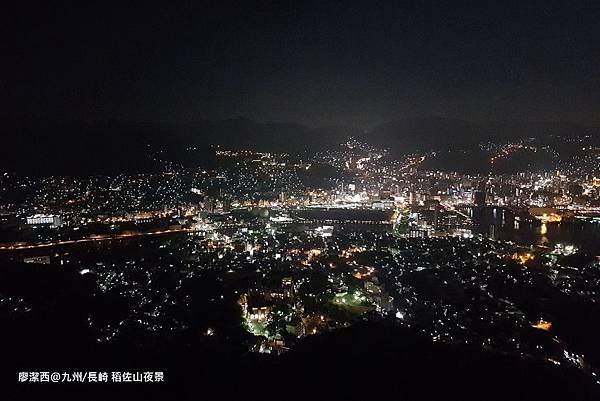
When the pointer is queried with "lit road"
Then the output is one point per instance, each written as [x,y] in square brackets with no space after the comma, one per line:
[24,246]
[413,163]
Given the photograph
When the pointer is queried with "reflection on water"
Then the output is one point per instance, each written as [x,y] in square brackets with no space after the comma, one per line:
[544,229]
[502,223]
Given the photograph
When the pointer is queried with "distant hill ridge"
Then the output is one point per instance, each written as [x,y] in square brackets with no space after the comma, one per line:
[42,145]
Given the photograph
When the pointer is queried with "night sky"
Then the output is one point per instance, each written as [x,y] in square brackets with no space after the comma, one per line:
[315,63]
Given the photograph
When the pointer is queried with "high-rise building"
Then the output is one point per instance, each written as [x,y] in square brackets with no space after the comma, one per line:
[479,198]
[210,204]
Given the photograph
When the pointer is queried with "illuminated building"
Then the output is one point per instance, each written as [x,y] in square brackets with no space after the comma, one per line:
[44,219]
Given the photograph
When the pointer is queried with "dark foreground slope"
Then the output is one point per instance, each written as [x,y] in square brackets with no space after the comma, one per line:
[367,361]
[372,360]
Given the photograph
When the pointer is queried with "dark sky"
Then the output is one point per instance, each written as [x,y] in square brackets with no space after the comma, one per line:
[314,63]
